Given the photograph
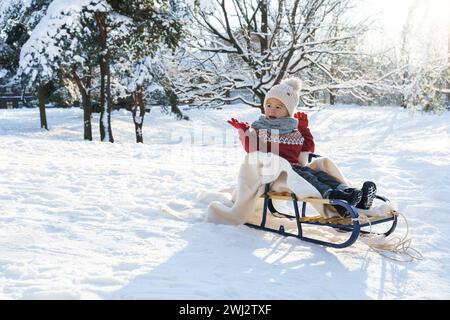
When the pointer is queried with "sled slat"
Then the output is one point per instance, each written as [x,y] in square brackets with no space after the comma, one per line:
[287,196]
[323,221]
[344,221]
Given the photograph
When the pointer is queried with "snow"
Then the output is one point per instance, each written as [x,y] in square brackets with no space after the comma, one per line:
[92,220]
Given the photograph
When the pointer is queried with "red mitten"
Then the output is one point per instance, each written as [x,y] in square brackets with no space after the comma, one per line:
[239,125]
[302,120]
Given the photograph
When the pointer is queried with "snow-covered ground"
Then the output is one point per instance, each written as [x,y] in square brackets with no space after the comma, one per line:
[82,220]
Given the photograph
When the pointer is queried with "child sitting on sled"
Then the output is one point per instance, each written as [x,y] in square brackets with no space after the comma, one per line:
[292,136]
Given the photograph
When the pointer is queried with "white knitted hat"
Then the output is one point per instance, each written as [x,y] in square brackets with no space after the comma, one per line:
[287,92]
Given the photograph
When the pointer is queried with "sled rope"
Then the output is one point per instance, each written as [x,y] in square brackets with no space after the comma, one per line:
[395,248]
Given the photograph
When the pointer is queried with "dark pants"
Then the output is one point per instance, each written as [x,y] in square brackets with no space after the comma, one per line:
[321,180]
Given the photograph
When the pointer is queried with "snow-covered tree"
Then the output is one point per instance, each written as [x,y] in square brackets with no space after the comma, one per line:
[17,19]
[255,44]
[141,81]
[5,53]
[135,28]
[423,63]
[135,79]
[74,36]
[81,60]
[52,51]
[146,28]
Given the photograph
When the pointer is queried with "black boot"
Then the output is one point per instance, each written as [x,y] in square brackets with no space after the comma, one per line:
[369,191]
[352,196]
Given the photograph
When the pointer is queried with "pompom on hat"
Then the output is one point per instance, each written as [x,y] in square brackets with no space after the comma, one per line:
[288,92]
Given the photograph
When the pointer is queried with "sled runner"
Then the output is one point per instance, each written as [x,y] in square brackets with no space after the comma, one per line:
[292,225]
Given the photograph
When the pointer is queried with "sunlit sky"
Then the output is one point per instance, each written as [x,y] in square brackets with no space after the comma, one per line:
[430,23]
[431,17]
[390,13]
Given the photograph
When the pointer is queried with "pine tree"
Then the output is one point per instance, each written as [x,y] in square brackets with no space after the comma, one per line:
[17,23]
[72,42]
[150,26]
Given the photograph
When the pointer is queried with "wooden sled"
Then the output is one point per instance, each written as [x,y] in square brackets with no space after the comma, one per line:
[279,223]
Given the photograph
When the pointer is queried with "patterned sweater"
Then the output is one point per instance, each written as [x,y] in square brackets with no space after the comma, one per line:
[289,145]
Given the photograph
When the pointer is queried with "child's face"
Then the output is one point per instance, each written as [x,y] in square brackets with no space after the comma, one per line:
[275,109]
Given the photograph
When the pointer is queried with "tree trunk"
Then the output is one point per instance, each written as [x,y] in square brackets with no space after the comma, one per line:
[105,82]
[264,27]
[404,54]
[228,96]
[138,113]
[42,96]
[265,30]
[332,98]
[87,105]
[173,101]
[261,96]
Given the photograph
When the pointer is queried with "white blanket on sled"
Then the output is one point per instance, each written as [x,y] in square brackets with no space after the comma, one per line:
[260,168]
